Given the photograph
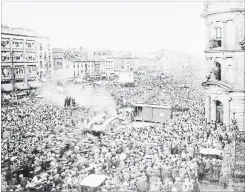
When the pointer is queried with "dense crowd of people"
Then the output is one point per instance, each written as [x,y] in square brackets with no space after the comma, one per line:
[44,149]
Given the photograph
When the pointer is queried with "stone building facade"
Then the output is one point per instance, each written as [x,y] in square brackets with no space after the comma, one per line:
[225,62]
[45,60]
[19,57]
[26,57]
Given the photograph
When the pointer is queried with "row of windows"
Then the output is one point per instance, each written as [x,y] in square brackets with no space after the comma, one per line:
[19,57]
[19,70]
[46,65]
[41,47]
[78,66]
[5,43]
[18,43]
[58,63]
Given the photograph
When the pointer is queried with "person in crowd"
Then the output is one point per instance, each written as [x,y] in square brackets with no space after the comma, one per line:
[43,149]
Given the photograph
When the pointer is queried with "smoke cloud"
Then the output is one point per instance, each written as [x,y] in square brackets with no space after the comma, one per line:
[98,99]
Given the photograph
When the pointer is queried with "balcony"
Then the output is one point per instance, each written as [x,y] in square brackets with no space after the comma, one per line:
[214,78]
[215,43]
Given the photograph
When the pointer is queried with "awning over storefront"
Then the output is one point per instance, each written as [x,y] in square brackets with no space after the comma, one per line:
[34,84]
[7,87]
[21,86]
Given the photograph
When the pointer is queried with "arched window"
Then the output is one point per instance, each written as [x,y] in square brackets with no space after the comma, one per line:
[219,112]
[217,71]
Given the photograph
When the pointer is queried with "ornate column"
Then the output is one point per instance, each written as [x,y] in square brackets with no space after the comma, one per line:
[223,70]
[213,110]
[224,34]
[207,35]
[208,67]
[207,108]
[227,111]
[234,36]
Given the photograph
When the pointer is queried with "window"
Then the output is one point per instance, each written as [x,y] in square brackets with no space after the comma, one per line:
[218,35]
[4,58]
[17,44]
[217,71]
[17,57]
[40,47]
[29,45]
[3,43]
[41,64]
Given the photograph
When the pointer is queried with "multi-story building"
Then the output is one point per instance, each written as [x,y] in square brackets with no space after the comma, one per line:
[68,72]
[89,66]
[126,63]
[45,58]
[63,68]
[79,68]
[58,56]
[107,67]
[58,62]
[26,57]
[105,52]
[123,54]
[19,58]
[225,62]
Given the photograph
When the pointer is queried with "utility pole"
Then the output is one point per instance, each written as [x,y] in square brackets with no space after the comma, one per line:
[13,72]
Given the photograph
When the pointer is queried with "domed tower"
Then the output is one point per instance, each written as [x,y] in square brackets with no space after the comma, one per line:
[225,62]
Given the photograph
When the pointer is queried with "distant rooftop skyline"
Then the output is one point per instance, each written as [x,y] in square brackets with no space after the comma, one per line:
[138,26]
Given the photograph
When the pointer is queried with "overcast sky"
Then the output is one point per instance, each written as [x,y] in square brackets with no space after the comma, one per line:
[138,26]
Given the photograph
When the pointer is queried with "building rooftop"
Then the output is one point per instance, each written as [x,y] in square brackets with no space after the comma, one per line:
[57,50]
[211,7]
[18,31]
[92,58]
